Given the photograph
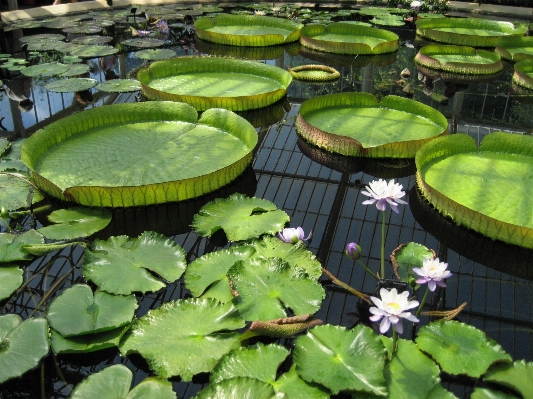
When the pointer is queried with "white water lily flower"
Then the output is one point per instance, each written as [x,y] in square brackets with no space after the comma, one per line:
[293,235]
[432,272]
[415,4]
[384,193]
[259,12]
[391,309]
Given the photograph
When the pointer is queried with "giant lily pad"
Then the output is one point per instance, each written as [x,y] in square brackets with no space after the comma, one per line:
[211,82]
[185,337]
[356,124]
[79,311]
[135,166]
[22,345]
[459,59]
[240,217]
[265,287]
[247,30]
[485,188]
[515,48]
[121,265]
[342,359]
[478,32]
[345,38]
[523,73]
[460,348]
[114,382]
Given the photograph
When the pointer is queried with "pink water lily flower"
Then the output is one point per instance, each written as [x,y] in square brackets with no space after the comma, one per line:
[384,193]
[391,309]
[163,26]
[293,235]
[432,272]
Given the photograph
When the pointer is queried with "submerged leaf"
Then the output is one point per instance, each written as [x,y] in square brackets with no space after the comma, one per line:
[240,217]
[122,265]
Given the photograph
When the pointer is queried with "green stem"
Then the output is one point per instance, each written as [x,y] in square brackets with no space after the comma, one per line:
[422,303]
[382,270]
[368,270]
[394,343]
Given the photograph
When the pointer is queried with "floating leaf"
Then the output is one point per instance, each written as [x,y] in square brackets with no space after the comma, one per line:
[342,359]
[185,337]
[114,382]
[486,393]
[11,245]
[71,85]
[265,287]
[86,343]
[119,85]
[78,311]
[92,40]
[15,193]
[407,256]
[121,264]
[87,51]
[517,375]
[157,54]
[47,69]
[460,348]
[42,38]
[11,278]
[76,69]
[75,222]
[142,42]
[240,217]
[239,387]
[292,385]
[22,345]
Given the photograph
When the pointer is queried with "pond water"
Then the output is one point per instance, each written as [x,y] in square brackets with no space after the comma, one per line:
[321,192]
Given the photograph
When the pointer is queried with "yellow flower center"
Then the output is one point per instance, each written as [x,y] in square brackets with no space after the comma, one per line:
[393,305]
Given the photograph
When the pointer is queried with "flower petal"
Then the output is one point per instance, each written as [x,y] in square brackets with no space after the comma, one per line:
[385,325]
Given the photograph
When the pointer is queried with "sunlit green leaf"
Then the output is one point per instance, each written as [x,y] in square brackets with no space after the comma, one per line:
[11,279]
[75,222]
[11,245]
[517,375]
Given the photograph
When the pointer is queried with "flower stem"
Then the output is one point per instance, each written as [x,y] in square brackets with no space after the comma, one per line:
[394,343]
[422,302]
[382,270]
[368,270]
[345,286]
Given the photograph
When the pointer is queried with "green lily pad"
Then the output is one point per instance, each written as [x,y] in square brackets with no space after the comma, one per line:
[215,82]
[155,54]
[85,28]
[47,69]
[460,348]
[257,361]
[314,73]
[11,245]
[42,38]
[23,344]
[119,85]
[185,337]
[50,45]
[238,387]
[5,146]
[486,393]
[247,30]
[342,359]
[488,190]
[459,59]
[355,124]
[478,32]
[407,256]
[515,48]
[15,193]
[172,165]
[240,217]
[143,42]
[114,382]
[78,311]
[523,73]
[89,51]
[122,265]
[293,386]
[75,222]
[11,278]
[266,287]
[92,40]
[76,70]
[517,375]
[388,20]
[346,38]
[71,85]
[86,343]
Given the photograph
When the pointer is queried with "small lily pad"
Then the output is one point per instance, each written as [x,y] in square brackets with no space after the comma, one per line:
[240,217]
[75,222]
[78,311]
[71,85]
[11,245]
[155,54]
[92,40]
[407,256]
[114,382]
[143,42]
[23,344]
[119,85]
[122,265]
[11,278]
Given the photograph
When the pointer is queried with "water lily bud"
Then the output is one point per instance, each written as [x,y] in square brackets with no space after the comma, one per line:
[353,251]
[4,213]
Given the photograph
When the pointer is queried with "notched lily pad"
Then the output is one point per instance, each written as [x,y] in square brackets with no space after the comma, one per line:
[122,265]
[71,85]
[407,256]
[240,217]
[75,222]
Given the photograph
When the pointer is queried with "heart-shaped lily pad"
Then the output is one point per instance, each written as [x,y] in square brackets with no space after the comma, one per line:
[122,265]
[79,311]
[22,345]
[71,85]
[75,222]
[240,217]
